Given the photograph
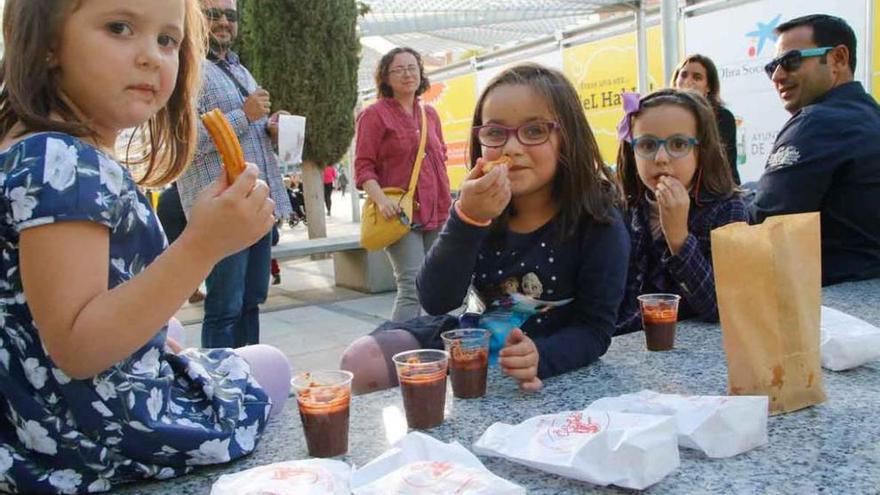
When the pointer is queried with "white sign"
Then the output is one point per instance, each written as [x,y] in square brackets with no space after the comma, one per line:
[740,41]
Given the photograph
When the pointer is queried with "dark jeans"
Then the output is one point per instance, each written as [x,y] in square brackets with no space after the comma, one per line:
[170,213]
[237,286]
[328,195]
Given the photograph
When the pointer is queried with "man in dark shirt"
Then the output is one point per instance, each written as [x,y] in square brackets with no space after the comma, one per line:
[827,156]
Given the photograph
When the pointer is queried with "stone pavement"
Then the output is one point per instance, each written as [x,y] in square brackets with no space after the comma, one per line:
[306,316]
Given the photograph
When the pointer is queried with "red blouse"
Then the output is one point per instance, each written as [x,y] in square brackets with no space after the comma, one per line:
[387,142]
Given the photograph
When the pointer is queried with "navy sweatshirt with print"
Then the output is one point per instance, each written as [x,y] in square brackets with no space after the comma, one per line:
[589,268]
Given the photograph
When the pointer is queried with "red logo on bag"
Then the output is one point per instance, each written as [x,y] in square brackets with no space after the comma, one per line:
[574,424]
[566,433]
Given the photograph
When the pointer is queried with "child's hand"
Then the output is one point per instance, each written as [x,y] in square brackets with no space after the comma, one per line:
[484,196]
[228,218]
[674,203]
[519,359]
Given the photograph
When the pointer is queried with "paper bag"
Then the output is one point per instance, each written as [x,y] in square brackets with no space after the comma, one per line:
[768,282]
[420,464]
[719,426]
[291,138]
[600,447]
[847,342]
[305,477]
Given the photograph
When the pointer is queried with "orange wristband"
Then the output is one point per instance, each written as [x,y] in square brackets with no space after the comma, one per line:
[468,220]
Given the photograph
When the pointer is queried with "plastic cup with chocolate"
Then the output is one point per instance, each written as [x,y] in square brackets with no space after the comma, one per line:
[468,350]
[659,316]
[324,398]
[422,376]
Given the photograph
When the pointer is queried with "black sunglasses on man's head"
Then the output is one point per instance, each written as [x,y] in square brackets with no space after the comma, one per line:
[214,14]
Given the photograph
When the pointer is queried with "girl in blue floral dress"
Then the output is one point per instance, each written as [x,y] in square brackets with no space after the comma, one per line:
[93,393]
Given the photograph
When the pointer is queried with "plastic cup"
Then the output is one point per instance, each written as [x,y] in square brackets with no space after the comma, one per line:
[422,376]
[659,316]
[323,398]
[468,350]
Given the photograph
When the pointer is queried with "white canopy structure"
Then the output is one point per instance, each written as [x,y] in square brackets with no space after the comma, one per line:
[457,26]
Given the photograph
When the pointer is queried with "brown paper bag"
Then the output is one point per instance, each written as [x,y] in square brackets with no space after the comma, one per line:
[768,281]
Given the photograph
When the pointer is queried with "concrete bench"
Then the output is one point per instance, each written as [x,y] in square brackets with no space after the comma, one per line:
[353,266]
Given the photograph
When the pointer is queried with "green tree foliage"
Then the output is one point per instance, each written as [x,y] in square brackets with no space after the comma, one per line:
[306,54]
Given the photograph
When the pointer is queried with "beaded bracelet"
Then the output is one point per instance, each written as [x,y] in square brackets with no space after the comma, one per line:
[469,220]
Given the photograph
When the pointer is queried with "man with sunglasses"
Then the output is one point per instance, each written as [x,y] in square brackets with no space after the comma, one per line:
[239,283]
[826,158]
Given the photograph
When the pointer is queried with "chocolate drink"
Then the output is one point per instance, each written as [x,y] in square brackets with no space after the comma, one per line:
[469,375]
[424,399]
[326,430]
[659,328]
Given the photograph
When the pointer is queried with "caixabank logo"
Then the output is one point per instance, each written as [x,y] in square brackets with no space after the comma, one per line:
[759,38]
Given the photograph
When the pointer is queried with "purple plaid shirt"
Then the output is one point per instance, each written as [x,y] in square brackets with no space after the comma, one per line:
[218,91]
[652,268]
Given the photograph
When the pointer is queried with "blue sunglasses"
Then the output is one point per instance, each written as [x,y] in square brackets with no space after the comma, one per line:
[791,60]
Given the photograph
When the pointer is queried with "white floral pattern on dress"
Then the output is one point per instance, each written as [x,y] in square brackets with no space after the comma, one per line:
[23,204]
[154,403]
[210,452]
[36,438]
[35,373]
[67,480]
[5,460]
[112,175]
[60,164]
[246,437]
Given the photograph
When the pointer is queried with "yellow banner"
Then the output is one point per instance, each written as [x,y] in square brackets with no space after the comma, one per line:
[454,100]
[601,70]
[875,66]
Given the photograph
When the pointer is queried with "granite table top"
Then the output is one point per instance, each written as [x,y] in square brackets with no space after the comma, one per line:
[831,447]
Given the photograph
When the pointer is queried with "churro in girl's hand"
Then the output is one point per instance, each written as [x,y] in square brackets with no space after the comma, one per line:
[227,143]
[504,160]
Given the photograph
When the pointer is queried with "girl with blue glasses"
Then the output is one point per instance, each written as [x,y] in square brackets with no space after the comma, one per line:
[677,187]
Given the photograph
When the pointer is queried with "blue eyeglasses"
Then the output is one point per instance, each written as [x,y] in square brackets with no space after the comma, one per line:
[677,146]
[791,60]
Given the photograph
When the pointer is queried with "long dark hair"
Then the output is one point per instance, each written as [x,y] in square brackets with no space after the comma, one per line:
[712,80]
[582,185]
[30,92]
[383,89]
[713,173]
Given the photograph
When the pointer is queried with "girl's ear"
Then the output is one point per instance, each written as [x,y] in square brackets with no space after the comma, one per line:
[51,60]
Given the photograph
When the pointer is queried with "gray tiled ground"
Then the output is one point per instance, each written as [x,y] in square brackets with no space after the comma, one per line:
[314,336]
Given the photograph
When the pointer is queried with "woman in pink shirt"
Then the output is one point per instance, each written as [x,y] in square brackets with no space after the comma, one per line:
[387,143]
[329,178]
